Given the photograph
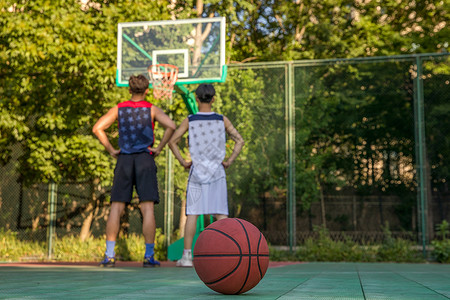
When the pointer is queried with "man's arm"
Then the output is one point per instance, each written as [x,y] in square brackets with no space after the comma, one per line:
[173,143]
[238,142]
[169,126]
[104,123]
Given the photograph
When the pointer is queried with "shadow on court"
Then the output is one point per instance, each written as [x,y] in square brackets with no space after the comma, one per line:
[291,281]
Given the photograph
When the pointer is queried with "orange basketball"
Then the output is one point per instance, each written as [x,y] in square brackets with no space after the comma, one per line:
[231,256]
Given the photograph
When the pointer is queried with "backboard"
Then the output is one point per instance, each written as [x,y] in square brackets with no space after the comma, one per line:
[195,46]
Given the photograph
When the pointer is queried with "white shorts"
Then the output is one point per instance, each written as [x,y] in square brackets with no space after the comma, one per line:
[207,198]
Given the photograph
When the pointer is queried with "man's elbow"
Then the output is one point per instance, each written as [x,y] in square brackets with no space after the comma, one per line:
[172,144]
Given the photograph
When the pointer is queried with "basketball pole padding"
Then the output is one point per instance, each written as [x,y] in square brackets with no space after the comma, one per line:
[175,250]
[188,98]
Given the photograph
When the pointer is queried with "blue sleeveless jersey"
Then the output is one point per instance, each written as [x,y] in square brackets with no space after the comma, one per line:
[135,127]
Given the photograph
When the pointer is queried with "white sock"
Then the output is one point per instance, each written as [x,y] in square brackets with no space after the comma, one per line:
[187,252]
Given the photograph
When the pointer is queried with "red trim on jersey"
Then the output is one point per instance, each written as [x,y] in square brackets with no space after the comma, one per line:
[130,103]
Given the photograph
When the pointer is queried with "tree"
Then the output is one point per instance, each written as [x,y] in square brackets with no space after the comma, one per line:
[57,72]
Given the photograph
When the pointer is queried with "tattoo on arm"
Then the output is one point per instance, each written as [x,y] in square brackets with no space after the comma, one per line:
[237,138]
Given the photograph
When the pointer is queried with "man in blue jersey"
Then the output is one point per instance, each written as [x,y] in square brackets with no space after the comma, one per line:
[135,163]
[206,191]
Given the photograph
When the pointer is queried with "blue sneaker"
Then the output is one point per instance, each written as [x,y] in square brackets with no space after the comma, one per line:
[150,262]
[108,262]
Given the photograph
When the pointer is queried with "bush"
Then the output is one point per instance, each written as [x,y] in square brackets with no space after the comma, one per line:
[132,247]
[441,251]
[324,248]
[397,250]
[71,248]
[12,249]
[281,255]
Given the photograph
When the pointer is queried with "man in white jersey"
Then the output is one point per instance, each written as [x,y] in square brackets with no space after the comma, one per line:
[206,192]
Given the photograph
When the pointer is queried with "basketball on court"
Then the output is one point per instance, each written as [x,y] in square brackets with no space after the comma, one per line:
[231,256]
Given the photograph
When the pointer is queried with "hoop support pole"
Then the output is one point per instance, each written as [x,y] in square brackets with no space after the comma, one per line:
[188,98]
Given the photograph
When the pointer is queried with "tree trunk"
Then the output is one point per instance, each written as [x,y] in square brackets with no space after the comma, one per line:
[199,38]
[86,227]
[89,212]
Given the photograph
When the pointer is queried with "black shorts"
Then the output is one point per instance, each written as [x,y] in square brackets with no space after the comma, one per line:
[135,170]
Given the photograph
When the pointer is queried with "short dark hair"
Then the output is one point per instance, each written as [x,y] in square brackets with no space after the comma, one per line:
[205,92]
[138,84]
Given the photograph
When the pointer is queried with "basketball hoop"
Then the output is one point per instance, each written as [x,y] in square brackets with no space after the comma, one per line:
[163,78]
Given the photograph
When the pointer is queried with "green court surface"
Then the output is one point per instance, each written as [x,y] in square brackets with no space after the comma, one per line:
[292,281]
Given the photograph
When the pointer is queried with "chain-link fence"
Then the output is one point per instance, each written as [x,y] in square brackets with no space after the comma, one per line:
[357,146]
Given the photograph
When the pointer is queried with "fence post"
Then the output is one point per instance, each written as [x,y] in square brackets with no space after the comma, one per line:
[169,194]
[52,198]
[290,153]
[419,133]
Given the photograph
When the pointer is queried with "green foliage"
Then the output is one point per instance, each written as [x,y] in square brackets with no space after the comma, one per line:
[128,248]
[71,248]
[397,250]
[131,247]
[57,72]
[441,251]
[281,255]
[12,249]
[270,30]
[58,80]
[323,248]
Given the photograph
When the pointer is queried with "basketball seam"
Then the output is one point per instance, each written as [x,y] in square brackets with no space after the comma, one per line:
[240,256]
[257,255]
[249,260]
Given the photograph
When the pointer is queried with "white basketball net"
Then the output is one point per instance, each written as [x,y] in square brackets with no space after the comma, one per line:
[163,78]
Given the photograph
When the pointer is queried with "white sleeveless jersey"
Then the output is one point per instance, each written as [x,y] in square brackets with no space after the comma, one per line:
[207,147]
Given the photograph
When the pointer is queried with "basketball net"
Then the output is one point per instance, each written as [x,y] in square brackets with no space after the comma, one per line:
[163,78]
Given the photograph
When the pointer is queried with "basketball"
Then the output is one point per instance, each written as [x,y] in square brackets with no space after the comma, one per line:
[231,256]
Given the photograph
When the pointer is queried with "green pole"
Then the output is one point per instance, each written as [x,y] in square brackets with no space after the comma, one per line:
[420,154]
[52,198]
[290,153]
[169,197]
[188,98]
